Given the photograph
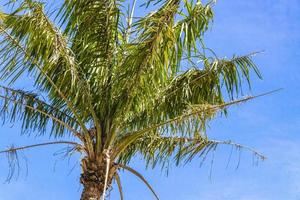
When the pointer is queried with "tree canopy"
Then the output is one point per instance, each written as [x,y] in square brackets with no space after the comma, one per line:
[124,85]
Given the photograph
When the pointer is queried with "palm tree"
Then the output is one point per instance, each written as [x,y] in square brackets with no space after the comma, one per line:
[121,85]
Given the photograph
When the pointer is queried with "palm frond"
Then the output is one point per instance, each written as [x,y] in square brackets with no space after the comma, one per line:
[49,48]
[178,124]
[156,53]
[127,31]
[118,180]
[190,29]
[15,149]
[195,86]
[158,149]
[143,55]
[17,59]
[141,60]
[12,154]
[196,114]
[91,27]
[44,43]
[140,176]
[35,113]
[208,81]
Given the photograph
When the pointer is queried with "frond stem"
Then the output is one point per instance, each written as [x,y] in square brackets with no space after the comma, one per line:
[10,150]
[118,180]
[140,177]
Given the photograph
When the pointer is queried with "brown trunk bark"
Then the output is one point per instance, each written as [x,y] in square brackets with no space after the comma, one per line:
[93,179]
[91,192]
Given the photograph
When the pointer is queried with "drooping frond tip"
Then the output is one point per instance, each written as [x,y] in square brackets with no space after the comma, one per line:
[12,154]
[140,176]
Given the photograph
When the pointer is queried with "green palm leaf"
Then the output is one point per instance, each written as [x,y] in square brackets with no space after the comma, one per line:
[35,113]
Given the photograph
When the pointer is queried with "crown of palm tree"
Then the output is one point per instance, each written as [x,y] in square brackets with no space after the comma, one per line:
[122,85]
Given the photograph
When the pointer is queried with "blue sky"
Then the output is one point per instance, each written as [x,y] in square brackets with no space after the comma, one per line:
[270,124]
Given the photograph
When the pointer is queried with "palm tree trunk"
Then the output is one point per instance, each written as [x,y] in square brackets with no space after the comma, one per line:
[91,192]
[93,179]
